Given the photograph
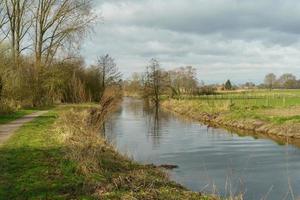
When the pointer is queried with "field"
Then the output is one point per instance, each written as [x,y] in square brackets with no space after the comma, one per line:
[252,98]
[275,112]
[276,105]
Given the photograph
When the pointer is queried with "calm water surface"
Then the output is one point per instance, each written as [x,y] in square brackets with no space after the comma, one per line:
[209,159]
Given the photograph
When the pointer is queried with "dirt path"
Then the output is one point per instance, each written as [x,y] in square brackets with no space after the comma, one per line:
[6,130]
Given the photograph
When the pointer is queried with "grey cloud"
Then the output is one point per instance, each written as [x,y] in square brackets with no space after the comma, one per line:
[236,39]
[231,18]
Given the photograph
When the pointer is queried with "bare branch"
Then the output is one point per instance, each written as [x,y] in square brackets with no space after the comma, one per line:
[20,21]
[57,20]
[3,21]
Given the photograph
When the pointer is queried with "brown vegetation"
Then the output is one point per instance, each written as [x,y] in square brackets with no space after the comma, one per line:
[39,60]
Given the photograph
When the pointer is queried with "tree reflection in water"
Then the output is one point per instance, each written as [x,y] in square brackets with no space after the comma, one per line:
[155,118]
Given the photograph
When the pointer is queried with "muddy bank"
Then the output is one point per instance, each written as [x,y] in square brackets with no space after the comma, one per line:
[287,131]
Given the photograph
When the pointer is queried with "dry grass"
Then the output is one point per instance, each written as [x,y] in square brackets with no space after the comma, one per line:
[81,140]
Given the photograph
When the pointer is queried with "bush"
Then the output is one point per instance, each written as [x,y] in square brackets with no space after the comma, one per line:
[207,90]
[7,107]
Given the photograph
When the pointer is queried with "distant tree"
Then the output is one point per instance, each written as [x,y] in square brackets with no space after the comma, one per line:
[134,85]
[270,80]
[248,85]
[183,80]
[287,81]
[298,84]
[207,90]
[110,74]
[228,85]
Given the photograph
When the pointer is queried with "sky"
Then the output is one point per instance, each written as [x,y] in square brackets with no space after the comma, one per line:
[240,40]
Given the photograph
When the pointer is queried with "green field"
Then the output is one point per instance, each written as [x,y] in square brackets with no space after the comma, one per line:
[250,99]
[276,106]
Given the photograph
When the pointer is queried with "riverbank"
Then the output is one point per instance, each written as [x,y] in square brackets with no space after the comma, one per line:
[283,122]
[60,156]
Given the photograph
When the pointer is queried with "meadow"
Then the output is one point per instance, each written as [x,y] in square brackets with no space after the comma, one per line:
[275,112]
[250,99]
[265,103]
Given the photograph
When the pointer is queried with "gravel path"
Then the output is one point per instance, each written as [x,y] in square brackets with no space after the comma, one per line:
[6,130]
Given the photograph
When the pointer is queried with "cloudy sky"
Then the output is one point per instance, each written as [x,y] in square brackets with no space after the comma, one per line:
[241,40]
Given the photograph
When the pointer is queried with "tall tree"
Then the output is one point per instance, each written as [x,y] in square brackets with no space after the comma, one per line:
[56,21]
[3,21]
[270,80]
[20,21]
[110,74]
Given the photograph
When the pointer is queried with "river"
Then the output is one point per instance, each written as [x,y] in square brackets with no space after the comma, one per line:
[208,159]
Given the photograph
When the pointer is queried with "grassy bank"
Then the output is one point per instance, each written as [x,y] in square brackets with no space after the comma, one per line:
[275,113]
[60,156]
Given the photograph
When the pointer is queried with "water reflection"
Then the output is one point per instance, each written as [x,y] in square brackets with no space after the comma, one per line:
[208,158]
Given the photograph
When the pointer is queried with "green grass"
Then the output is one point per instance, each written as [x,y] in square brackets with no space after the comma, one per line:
[35,164]
[246,100]
[32,165]
[5,118]
[277,107]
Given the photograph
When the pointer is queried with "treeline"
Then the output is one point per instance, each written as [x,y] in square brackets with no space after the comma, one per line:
[285,81]
[156,81]
[39,59]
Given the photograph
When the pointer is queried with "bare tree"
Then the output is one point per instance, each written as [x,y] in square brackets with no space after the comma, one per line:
[154,82]
[110,74]
[20,21]
[3,21]
[270,80]
[57,21]
[287,81]
[183,80]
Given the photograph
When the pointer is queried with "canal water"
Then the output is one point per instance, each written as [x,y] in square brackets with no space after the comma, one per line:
[208,159]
